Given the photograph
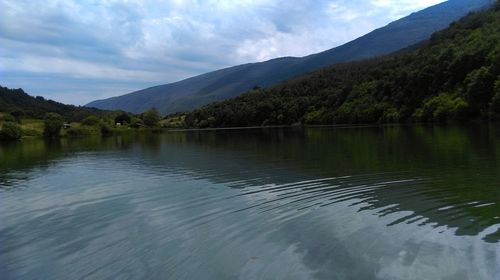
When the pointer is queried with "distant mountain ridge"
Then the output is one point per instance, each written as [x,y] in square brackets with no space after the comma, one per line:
[230,82]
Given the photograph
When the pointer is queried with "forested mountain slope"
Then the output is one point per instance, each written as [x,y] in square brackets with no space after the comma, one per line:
[18,102]
[230,82]
[453,76]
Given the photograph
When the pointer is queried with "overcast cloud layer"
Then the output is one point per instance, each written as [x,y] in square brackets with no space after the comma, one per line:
[78,51]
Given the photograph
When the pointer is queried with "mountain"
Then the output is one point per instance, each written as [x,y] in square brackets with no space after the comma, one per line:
[18,102]
[454,76]
[226,83]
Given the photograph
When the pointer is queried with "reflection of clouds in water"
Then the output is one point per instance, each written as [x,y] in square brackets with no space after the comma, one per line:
[172,212]
[343,243]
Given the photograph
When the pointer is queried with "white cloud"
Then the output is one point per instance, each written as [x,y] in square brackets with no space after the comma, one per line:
[399,8]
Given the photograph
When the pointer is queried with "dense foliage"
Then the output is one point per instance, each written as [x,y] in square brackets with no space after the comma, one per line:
[26,116]
[122,118]
[151,117]
[19,104]
[10,131]
[90,121]
[53,124]
[452,77]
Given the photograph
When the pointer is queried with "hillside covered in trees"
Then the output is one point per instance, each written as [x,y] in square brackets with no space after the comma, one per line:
[230,82]
[454,76]
[19,103]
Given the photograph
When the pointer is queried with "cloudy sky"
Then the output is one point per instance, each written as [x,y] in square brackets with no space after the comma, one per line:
[76,51]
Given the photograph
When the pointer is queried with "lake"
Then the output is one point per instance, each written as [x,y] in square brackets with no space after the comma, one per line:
[393,202]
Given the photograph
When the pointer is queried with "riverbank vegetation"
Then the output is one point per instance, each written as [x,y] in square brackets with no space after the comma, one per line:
[453,77]
[22,115]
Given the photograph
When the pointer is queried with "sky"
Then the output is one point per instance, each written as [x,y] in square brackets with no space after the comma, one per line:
[77,51]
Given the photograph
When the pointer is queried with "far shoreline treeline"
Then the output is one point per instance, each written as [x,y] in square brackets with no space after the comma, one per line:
[22,115]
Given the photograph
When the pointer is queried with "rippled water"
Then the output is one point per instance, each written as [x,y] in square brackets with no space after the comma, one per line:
[319,203]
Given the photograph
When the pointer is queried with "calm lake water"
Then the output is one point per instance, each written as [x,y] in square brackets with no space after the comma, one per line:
[317,203]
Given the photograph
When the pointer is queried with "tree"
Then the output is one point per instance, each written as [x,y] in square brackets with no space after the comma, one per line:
[10,131]
[122,118]
[136,122]
[151,117]
[90,121]
[479,87]
[52,125]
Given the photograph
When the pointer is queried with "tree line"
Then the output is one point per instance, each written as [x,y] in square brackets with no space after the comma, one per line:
[18,108]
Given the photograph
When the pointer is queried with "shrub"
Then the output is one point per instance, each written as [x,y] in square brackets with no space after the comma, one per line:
[10,131]
[52,125]
[90,121]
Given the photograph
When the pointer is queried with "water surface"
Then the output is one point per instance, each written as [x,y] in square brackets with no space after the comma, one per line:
[317,203]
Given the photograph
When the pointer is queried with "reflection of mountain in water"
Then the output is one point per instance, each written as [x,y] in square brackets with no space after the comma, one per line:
[437,176]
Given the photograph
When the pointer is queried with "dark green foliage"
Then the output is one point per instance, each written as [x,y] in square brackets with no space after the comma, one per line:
[442,108]
[151,117]
[136,122]
[20,104]
[10,131]
[90,121]
[79,131]
[106,129]
[479,88]
[122,118]
[495,104]
[7,118]
[52,125]
[452,77]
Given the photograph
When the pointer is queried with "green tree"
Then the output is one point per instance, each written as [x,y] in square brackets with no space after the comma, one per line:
[442,108]
[479,87]
[151,117]
[90,121]
[52,125]
[122,118]
[10,131]
[136,122]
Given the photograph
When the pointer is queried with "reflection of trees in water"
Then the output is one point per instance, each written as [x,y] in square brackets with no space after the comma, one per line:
[459,164]
[451,166]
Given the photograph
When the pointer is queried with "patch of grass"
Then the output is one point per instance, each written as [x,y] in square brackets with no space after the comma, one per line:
[32,127]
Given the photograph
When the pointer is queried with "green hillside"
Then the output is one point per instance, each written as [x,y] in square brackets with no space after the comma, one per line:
[230,82]
[19,103]
[454,76]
